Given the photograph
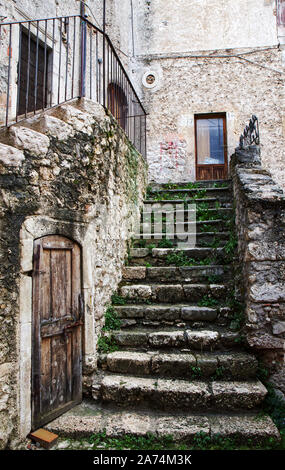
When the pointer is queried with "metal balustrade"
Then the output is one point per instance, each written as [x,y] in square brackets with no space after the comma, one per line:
[48,62]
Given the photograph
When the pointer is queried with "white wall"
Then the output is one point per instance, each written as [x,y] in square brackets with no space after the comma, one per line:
[188,25]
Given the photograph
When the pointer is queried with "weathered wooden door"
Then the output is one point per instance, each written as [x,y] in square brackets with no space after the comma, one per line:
[57,325]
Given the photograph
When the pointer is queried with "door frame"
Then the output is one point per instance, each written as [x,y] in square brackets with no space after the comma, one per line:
[223,166]
[83,234]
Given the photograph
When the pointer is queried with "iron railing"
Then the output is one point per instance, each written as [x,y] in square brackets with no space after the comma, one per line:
[250,134]
[48,62]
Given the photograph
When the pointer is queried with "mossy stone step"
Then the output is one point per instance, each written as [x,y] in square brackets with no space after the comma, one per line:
[183,274]
[180,365]
[168,394]
[205,339]
[172,292]
[178,315]
[90,418]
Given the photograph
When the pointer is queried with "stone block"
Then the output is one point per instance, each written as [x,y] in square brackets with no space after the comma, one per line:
[202,339]
[136,292]
[278,328]
[130,311]
[173,365]
[195,313]
[168,293]
[132,339]
[235,395]
[11,156]
[161,312]
[139,252]
[162,339]
[27,139]
[129,362]
[243,428]
[134,272]
[183,428]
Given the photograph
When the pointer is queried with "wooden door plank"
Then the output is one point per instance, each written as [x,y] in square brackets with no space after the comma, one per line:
[46,375]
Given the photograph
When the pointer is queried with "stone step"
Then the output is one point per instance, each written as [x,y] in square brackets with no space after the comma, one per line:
[206,339]
[199,193]
[211,202]
[175,207]
[175,394]
[90,418]
[210,226]
[180,234]
[198,253]
[191,185]
[183,274]
[172,292]
[180,365]
[170,315]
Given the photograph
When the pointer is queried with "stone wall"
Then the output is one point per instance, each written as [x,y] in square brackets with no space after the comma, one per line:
[196,84]
[166,26]
[71,172]
[260,222]
[208,56]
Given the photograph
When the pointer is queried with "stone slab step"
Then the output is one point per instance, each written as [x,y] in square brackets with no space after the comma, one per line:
[206,339]
[172,292]
[169,394]
[180,365]
[169,314]
[225,201]
[178,274]
[207,227]
[148,229]
[193,185]
[205,192]
[173,208]
[193,239]
[89,418]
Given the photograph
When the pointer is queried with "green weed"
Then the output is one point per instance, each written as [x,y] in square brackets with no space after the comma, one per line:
[112,321]
[107,344]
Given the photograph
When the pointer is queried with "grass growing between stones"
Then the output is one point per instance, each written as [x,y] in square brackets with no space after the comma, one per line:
[130,442]
[200,441]
[179,258]
[118,300]
[112,321]
[107,344]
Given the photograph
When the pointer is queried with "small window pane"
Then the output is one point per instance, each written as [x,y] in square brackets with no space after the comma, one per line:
[210,141]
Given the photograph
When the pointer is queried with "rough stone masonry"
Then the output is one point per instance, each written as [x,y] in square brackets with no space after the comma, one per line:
[56,174]
[260,221]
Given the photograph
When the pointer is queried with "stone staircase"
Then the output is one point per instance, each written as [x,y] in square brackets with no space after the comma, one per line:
[178,356]
[177,366]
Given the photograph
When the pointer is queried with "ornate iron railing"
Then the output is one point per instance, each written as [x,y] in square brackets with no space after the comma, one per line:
[48,62]
[250,134]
